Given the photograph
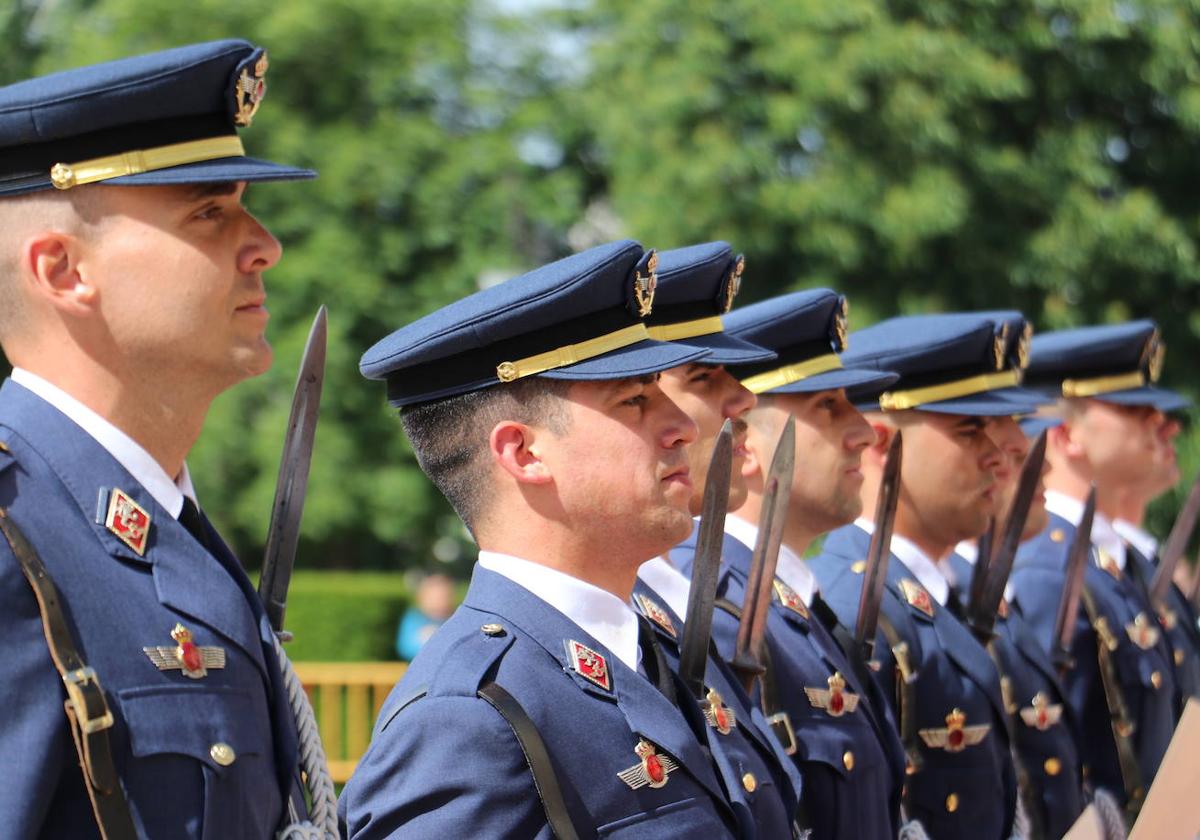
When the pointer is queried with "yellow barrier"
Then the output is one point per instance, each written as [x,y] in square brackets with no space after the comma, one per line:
[346,697]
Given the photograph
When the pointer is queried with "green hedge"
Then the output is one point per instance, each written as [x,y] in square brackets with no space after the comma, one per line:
[345,616]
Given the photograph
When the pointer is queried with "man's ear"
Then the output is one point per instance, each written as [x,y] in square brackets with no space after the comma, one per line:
[514,449]
[50,264]
[877,451]
[1063,438]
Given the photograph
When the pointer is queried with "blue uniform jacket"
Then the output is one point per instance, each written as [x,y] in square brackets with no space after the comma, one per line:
[1044,727]
[857,796]
[1179,620]
[116,603]
[765,800]
[968,793]
[1146,675]
[443,763]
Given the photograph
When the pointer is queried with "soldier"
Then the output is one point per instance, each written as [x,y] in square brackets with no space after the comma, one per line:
[1122,689]
[133,295]
[1044,730]
[849,757]
[944,686]
[545,705]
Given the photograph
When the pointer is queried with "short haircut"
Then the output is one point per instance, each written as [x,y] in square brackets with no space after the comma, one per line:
[450,436]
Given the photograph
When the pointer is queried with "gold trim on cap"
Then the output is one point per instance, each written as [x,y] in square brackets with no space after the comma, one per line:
[786,375]
[687,329]
[900,400]
[1102,384]
[67,175]
[570,354]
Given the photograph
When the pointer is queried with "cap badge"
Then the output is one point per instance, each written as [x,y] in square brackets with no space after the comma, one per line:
[835,700]
[955,737]
[999,343]
[917,597]
[734,284]
[643,287]
[1153,356]
[790,599]
[719,716]
[1023,345]
[1142,632]
[656,613]
[194,660]
[128,520]
[841,325]
[589,664]
[653,769]
[1042,714]
[249,91]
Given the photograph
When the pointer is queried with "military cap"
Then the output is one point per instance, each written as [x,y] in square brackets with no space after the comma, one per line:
[1016,332]
[696,286]
[1116,363]
[580,318]
[169,117]
[948,363]
[807,330]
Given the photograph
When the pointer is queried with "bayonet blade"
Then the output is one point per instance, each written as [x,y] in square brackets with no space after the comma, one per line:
[981,612]
[752,628]
[875,572]
[1068,606]
[1176,544]
[706,566]
[283,535]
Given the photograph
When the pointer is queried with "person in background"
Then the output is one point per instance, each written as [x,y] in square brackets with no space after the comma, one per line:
[434,602]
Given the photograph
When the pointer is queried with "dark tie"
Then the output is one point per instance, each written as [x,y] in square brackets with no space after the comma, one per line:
[191,518]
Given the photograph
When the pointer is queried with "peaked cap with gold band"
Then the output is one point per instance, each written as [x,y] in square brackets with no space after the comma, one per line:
[950,363]
[582,318]
[1116,363]
[169,117]
[696,286]
[1015,334]
[807,330]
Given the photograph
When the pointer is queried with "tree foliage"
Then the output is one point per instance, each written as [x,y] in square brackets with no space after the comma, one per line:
[914,155]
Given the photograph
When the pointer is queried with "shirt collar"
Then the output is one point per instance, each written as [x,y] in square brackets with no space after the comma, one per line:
[791,568]
[603,615]
[924,569]
[668,583]
[1145,543]
[1103,534]
[129,454]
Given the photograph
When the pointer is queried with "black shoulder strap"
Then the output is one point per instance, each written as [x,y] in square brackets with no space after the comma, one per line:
[86,707]
[545,780]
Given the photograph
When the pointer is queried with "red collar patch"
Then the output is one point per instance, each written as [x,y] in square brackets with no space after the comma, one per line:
[589,664]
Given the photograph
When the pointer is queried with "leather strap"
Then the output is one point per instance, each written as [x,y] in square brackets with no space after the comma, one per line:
[906,695]
[545,780]
[1122,723]
[1030,796]
[86,707]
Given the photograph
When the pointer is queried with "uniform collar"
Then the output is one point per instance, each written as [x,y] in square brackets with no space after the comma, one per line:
[968,550]
[668,583]
[128,453]
[790,569]
[601,614]
[1145,543]
[924,569]
[1104,536]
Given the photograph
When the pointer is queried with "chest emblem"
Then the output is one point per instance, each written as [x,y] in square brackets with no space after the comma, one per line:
[1142,632]
[835,700]
[589,664]
[790,599]
[956,737]
[719,716]
[127,520]
[656,613]
[1042,714]
[652,769]
[187,656]
[916,595]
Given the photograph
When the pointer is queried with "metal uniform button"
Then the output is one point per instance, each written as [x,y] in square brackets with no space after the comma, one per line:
[750,783]
[222,753]
[492,629]
[848,760]
[858,567]
[1156,679]
[952,803]
[1179,657]
[1052,766]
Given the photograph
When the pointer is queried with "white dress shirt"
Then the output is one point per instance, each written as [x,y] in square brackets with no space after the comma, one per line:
[139,463]
[1103,534]
[668,583]
[791,568]
[924,569]
[1146,545]
[609,620]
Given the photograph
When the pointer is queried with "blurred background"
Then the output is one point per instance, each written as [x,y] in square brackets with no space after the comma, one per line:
[916,156]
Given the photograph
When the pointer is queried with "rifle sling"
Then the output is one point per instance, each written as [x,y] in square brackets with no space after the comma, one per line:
[86,707]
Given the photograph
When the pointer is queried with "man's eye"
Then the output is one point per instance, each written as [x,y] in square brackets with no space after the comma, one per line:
[636,401]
